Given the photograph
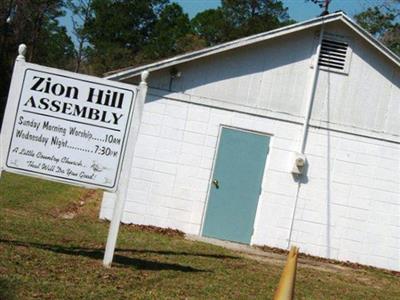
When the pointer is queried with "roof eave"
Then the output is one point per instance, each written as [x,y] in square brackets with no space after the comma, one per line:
[372,40]
[128,73]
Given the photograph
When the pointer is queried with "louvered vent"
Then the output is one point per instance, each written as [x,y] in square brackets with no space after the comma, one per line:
[333,54]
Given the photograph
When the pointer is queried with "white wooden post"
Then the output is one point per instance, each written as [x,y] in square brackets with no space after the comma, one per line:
[126,171]
[12,94]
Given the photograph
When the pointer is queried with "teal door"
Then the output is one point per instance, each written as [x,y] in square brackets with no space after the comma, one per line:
[236,185]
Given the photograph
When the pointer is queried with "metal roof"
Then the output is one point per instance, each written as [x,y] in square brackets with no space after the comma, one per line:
[134,71]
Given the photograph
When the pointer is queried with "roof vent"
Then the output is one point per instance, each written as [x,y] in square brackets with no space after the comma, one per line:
[335,54]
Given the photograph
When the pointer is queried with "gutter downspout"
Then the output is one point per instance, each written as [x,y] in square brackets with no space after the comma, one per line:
[303,141]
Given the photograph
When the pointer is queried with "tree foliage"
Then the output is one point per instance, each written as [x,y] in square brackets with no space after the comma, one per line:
[82,12]
[239,18]
[383,23]
[211,26]
[247,17]
[169,32]
[36,24]
[118,31]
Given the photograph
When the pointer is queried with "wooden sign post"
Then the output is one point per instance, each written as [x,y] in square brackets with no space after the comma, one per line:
[126,171]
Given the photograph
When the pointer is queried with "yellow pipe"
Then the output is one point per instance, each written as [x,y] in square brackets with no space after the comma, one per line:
[285,290]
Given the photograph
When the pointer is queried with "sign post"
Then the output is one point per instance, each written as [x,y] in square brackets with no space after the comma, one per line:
[125,174]
[19,62]
[72,128]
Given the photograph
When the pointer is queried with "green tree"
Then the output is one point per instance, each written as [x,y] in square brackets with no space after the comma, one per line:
[118,30]
[382,22]
[57,49]
[239,18]
[247,17]
[82,12]
[211,26]
[34,23]
[172,33]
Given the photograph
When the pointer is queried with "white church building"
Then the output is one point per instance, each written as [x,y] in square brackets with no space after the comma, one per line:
[288,137]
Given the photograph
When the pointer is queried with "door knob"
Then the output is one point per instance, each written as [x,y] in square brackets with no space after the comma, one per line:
[216,183]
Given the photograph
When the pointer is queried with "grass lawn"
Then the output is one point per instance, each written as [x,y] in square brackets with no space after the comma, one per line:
[52,245]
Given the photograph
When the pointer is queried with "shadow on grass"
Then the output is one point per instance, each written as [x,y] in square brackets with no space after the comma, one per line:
[160,252]
[122,260]
[6,289]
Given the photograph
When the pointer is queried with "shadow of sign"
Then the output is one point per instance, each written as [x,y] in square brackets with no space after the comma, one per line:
[7,289]
[121,260]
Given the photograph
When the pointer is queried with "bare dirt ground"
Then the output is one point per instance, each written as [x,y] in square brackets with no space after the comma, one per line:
[278,257]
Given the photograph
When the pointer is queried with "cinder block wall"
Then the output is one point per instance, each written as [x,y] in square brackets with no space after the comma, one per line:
[348,207]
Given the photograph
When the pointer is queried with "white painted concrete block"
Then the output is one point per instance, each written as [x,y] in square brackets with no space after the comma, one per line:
[176,110]
[137,196]
[193,229]
[189,159]
[154,105]
[155,221]
[144,163]
[194,138]
[108,200]
[150,129]
[192,149]
[178,215]
[165,167]
[161,190]
[142,174]
[135,207]
[172,133]
[151,118]
[199,113]
[132,218]
[242,121]
[175,123]
[264,125]
[157,210]
[196,126]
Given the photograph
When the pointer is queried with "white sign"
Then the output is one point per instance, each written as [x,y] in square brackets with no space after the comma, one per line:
[72,128]
[67,127]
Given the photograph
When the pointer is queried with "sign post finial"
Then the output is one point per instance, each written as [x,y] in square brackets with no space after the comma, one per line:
[143,76]
[21,52]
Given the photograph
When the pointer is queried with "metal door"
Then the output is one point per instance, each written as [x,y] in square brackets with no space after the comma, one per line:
[236,185]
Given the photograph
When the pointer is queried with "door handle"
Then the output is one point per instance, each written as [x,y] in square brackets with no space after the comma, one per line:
[216,183]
